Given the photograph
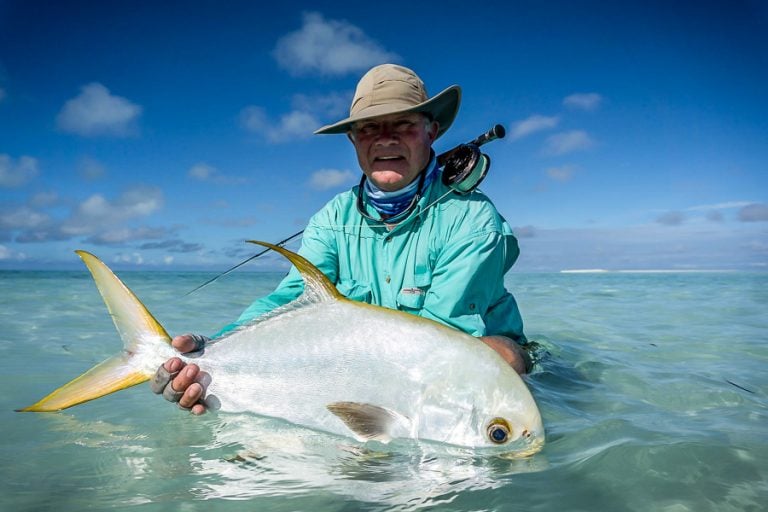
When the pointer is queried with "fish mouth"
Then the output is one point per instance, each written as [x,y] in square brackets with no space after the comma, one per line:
[531,446]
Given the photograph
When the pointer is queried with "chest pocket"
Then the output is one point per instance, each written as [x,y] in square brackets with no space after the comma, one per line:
[411,296]
[355,290]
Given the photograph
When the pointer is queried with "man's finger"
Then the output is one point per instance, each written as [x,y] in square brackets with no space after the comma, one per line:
[187,343]
[191,396]
[183,343]
[198,409]
[171,394]
[161,379]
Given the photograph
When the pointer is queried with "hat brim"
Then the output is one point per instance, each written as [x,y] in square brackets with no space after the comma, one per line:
[442,107]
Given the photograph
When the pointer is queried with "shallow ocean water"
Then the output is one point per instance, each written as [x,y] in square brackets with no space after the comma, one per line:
[653,388]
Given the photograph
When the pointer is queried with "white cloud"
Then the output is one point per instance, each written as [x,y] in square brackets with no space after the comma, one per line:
[673,218]
[7,254]
[16,174]
[173,245]
[133,258]
[295,124]
[328,47]
[97,219]
[719,206]
[91,169]
[122,235]
[254,119]
[583,101]
[300,122]
[331,104]
[97,112]
[44,199]
[532,124]
[330,178]
[204,172]
[568,142]
[563,173]
[97,213]
[755,212]
[201,171]
[714,216]
[22,218]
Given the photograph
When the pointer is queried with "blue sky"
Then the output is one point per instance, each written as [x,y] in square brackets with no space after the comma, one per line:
[164,134]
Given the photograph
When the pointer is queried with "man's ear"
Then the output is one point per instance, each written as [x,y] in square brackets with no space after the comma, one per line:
[434,127]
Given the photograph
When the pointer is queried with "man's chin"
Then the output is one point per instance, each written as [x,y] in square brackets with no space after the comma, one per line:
[389,181]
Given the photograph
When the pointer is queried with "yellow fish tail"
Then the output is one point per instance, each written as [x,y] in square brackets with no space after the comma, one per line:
[138,329]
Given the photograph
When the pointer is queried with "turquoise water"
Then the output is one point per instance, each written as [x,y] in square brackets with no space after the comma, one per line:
[653,389]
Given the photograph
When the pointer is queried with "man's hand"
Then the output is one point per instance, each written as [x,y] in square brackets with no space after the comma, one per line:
[510,351]
[181,382]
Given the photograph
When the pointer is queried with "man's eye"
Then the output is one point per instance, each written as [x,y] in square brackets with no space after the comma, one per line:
[369,129]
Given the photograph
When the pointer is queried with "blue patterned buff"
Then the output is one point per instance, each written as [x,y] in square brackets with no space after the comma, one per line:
[391,204]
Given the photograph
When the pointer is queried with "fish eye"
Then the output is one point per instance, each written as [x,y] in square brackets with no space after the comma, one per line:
[499,431]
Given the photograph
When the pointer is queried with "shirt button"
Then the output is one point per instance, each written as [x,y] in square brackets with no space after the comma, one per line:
[388,239]
[471,307]
[388,279]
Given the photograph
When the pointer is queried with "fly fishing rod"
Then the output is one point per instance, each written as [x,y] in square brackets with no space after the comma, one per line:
[464,167]
[280,244]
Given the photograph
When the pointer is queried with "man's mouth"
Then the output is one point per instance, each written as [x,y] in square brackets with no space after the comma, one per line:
[388,158]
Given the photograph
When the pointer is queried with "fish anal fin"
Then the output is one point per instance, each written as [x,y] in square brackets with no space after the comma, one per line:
[368,422]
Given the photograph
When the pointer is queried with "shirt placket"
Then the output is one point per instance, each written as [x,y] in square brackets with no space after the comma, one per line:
[387,282]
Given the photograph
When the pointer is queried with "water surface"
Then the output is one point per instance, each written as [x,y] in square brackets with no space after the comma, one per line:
[653,389]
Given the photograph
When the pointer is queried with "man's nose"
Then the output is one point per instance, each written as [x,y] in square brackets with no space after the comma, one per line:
[387,134]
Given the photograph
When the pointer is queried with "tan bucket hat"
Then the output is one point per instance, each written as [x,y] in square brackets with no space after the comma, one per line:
[392,89]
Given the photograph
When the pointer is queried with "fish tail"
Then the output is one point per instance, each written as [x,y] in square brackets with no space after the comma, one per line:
[107,377]
[139,331]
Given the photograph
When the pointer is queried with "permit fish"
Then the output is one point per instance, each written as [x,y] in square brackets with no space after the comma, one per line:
[330,364]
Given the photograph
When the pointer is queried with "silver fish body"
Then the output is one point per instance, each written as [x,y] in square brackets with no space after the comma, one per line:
[334,365]
[442,384]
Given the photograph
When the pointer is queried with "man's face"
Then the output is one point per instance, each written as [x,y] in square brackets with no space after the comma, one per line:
[393,149]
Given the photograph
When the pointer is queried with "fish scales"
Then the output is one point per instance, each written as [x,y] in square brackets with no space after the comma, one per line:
[328,363]
[293,365]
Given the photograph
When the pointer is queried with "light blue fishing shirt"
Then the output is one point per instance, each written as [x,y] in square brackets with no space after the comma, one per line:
[446,262]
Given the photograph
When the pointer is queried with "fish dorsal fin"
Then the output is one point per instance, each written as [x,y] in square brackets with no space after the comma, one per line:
[132,319]
[368,422]
[317,287]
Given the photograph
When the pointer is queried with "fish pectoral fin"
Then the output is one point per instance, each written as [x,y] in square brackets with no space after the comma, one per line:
[368,422]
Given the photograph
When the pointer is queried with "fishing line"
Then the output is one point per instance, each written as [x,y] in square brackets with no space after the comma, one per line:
[280,243]
[464,167]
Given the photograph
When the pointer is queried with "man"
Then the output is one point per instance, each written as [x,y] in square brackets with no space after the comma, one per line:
[401,239]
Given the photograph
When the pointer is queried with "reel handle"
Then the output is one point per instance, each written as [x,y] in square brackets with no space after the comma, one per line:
[497,132]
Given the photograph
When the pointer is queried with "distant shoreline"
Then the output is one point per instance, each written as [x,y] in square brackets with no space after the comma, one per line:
[649,271]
